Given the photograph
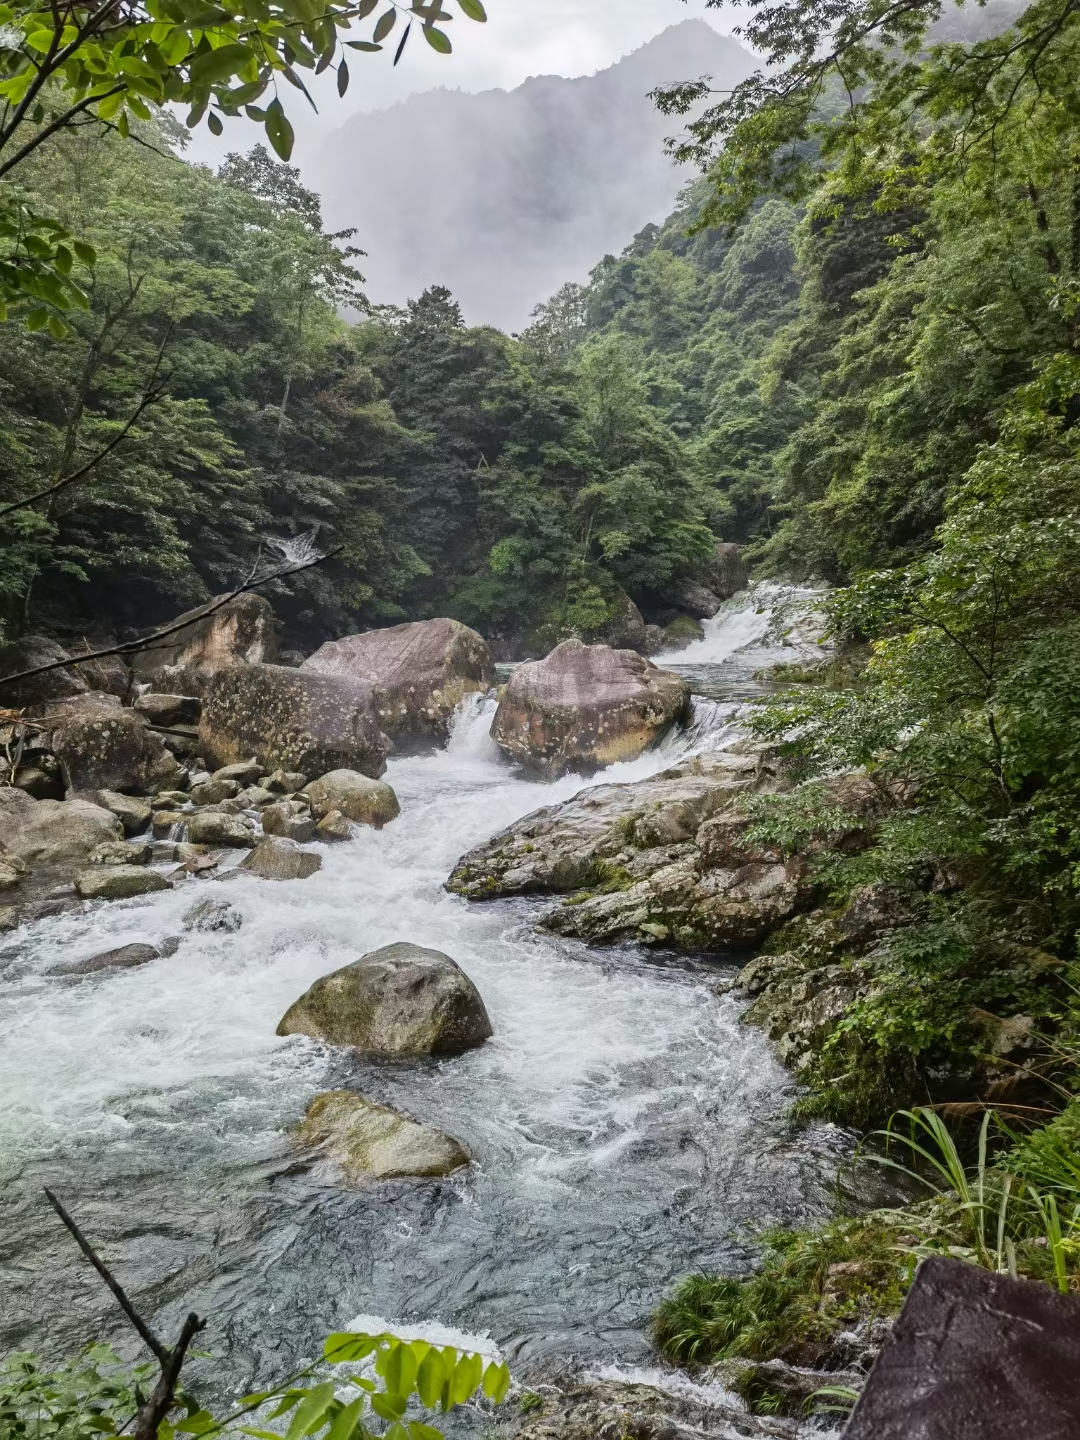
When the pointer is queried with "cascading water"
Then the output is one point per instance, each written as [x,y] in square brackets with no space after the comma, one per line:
[624,1125]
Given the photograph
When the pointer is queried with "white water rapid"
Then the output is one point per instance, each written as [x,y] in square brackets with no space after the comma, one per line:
[626,1129]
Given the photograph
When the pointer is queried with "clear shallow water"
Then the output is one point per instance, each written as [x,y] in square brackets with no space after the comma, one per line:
[625,1127]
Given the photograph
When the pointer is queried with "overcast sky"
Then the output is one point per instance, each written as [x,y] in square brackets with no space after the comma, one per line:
[521,38]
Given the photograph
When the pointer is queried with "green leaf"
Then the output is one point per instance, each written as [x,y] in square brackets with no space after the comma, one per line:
[362,45]
[342,77]
[399,1369]
[346,1421]
[214,124]
[388,1405]
[496,1382]
[86,253]
[384,25]
[466,1377]
[419,1431]
[278,130]
[401,43]
[364,9]
[63,259]
[344,1346]
[437,40]
[197,1424]
[310,1411]
[473,9]
[218,65]
[430,1379]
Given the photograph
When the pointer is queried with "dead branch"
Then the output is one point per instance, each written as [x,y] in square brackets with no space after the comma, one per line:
[130,647]
[154,1410]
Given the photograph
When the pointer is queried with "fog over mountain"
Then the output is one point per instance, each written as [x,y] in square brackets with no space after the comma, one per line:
[504,195]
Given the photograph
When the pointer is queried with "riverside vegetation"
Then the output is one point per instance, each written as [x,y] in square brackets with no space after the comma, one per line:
[859,360]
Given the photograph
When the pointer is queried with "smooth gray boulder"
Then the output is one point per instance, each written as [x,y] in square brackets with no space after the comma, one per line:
[292,720]
[123,852]
[333,827]
[278,858]
[132,812]
[102,746]
[399,1000]
[212,915]
[118,882]
[125,957]
[369,1141]
[213,827]
[291,819]
[356,796]
[584,707]
[167,710]
[213,791]
[420,672]
[54,832]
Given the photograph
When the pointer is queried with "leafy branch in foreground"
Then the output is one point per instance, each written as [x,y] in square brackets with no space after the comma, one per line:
[96,1397]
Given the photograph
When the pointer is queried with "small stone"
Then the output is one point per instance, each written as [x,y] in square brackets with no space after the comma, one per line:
[118,882]
[358,797]
[9,876]
[216,789]
[276,858]
[334,826]
[289,819]
[200,864]
[211,916]
[211,827]
[170,799]
[246,772]
[199,776]
[133,813]
[170,945]
[165,822]
[255,797]
[122,852]
[285,782]
[126,957]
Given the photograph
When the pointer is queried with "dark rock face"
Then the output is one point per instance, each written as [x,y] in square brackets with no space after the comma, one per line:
[24,654]
[627,630]
[975,1356]
[108,673]
[292,719]
[420,672]
[726,573]
[400,1000]
[242,632]
[696,599]
[585,706]
[109,748]
[126,957]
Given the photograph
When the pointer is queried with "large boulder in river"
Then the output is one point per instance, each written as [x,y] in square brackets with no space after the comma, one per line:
[102,746]
[399,1000]
[585,706]
[356,796]
[420,672]
[370,1141]
[292,719]
[54,832]
[27,653]
[725,574]
[241,632]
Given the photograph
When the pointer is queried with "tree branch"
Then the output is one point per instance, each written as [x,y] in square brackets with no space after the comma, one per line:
[130,647]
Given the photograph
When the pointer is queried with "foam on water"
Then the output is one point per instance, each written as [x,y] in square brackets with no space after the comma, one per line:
[624,1124]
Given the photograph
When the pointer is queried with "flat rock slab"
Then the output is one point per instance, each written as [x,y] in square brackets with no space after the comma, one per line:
[371,1141]
[118,882]
[125,957]
[975,1356]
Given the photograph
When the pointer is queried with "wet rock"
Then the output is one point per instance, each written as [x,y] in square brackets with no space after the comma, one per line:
[212,827]
[12,869]
[290,819]
[256,798]
[591,1409]
[212,792]
[122,852]
[356,796]
[244,772]
[118,882]
[334,826]
[285,782]
[133,813]
[696,599]
[213,916]
[800,1005]
[169,710]
[420,672]
[105,747]
[170,799]
[293,658]
[241,632]
[726,574]
[126,957]
[652,641]
[399,1000]
[54,832]
[626,629]
[278,858]
[602,832]
[370,1141]
[25,654]
[684,630]
[167,822]
[585,706]
[292,720]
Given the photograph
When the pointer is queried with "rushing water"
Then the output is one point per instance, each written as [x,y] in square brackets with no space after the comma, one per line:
[626,1129]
